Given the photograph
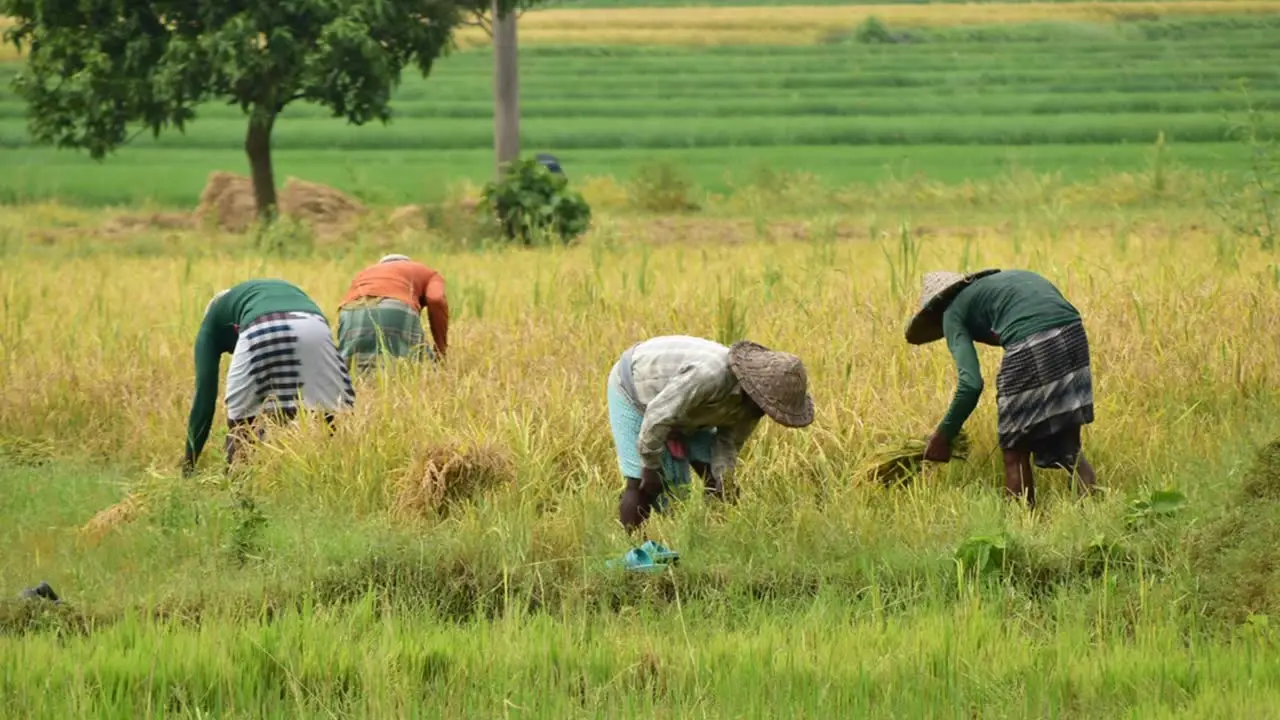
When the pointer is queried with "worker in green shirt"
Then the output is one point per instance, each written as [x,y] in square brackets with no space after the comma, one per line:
[1044,389]
[282,357]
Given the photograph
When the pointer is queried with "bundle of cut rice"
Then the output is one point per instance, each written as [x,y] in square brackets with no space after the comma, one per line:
[122,512]
[901,459]
[440,475]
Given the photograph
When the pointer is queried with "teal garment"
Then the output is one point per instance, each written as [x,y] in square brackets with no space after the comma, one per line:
[218,333]
[999,310]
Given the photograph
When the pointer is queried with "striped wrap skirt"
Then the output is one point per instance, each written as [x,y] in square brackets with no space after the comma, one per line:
[373,328]
[1044,395]
[283,362]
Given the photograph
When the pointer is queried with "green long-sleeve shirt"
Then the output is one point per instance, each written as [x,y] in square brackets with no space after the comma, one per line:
[218,333]
[998,309]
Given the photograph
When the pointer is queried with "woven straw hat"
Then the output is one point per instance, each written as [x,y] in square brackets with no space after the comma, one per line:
[939,289]
[392,258]
[775,380]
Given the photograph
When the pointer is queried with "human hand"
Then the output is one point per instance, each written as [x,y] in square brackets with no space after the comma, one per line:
[938,449]
[650,482]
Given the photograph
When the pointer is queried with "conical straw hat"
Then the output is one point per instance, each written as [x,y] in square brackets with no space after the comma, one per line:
[776,381]
[938,290]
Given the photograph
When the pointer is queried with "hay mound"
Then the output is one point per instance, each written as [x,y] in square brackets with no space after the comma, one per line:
[1233,558]
[440,476]
[407,217]
[899,459]
[320,205]
[110,518]
[228,200]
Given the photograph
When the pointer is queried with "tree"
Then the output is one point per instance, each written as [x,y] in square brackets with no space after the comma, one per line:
[96,68]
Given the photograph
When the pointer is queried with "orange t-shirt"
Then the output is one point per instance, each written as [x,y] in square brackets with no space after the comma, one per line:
[413,284]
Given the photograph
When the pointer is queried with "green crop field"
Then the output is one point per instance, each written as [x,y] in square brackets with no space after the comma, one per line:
[755,170]
[1084,100]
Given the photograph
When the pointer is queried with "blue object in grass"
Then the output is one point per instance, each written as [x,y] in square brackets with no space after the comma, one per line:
[649,557]
[550,162]
[660,553]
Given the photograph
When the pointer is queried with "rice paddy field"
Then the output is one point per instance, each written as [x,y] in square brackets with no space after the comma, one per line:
[754,173]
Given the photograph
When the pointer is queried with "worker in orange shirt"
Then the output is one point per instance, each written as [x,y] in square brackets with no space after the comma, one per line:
[380,313]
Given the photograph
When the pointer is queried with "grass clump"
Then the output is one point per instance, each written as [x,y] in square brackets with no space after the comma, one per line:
[1234,558]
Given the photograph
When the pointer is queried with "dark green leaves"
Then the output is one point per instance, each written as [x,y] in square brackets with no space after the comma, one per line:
[98,69]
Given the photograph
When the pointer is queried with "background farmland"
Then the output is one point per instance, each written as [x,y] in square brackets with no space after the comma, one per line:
[1083,98]
[781,173]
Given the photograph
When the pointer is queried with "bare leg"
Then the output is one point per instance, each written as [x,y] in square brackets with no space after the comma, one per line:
[1018,480]
[1084,471]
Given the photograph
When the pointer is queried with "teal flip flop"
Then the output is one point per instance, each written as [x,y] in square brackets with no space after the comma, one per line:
[637,560]
[660,553]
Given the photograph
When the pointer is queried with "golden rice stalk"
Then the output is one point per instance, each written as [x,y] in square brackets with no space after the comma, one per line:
[439,476]
[125,511]
[905,457]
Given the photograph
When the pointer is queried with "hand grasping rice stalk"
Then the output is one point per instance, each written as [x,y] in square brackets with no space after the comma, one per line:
[900,459]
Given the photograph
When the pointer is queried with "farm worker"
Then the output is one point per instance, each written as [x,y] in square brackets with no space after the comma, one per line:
[380,312]
[678,401]
[1044,390]
[282,356]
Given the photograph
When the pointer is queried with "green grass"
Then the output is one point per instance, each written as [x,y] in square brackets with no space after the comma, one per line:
[174,177]
[1068,97]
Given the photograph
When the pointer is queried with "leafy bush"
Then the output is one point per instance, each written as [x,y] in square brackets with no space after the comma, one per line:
[531,203]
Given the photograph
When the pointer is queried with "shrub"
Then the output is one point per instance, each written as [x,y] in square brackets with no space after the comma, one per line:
[530,202]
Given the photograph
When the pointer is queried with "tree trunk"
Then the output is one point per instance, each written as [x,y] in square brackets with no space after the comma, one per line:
[506,91]
[257,144]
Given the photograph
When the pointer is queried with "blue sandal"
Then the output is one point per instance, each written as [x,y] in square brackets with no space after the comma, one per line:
[637,560]
[660,553]
[649,557]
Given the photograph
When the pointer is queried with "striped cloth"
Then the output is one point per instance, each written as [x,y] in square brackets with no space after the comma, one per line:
[376,327]
[283,361]
[1044,394]
[625,421]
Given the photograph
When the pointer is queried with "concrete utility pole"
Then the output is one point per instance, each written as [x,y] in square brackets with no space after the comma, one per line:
[506,90]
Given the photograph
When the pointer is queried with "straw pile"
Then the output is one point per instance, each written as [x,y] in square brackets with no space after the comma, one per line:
[228,201]
[110,518]
[440,476]
[899,460]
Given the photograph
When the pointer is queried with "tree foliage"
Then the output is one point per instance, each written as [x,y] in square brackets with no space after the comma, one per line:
[98,71]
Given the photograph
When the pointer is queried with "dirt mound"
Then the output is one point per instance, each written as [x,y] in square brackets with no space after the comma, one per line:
[228,200]
[442,475]
[1237,571]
